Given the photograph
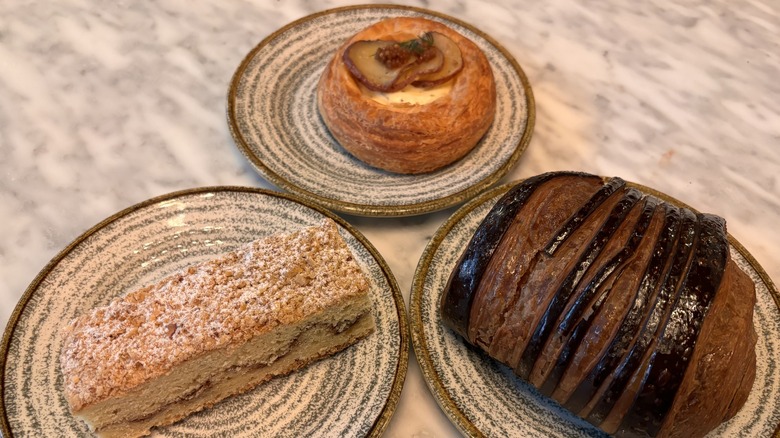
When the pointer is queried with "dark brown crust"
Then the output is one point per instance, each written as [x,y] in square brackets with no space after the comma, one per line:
[704,402]
[608,218]
[645,299]
[407,138]
[590,335]
[698,323]
[499,287]
[462,285]
[614,405]
[538,295]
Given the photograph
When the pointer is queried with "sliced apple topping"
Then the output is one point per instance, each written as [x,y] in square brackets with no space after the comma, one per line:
[453,63]
[389,66]
[361,62]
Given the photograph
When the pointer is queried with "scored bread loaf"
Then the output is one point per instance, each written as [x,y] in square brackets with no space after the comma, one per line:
[213,330]
[625,309]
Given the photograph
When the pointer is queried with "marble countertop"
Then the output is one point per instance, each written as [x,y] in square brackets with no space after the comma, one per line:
[106,104]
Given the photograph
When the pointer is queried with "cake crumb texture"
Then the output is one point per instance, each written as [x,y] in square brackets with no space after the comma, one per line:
[277,280]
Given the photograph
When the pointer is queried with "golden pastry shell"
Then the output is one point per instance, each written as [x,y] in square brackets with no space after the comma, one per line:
[403,137]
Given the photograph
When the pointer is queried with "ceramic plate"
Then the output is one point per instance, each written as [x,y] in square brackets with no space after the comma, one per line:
[353,393]
[272,114]
[484,398]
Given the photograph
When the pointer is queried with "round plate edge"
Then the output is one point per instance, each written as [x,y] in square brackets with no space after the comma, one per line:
[381,422]
[368,209]
[419,343]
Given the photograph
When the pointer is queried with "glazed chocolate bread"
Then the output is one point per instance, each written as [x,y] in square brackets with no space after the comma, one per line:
[625,309]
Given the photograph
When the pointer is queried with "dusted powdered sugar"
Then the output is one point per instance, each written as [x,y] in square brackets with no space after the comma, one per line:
[277,280]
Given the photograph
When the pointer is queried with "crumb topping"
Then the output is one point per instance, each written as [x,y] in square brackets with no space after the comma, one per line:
[273,281]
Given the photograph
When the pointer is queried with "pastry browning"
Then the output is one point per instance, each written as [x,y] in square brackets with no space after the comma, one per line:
[625,309]
[405,137]
[213,330]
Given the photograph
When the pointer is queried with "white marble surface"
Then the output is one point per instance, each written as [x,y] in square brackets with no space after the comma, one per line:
[105,104]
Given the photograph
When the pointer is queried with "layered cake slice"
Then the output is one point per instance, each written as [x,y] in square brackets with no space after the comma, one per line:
[213,330]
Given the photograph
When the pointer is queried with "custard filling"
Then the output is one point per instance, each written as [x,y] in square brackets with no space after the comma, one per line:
[409,95]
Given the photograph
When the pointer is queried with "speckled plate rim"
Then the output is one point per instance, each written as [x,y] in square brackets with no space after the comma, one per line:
[382,420]
[420,343]
[375,209]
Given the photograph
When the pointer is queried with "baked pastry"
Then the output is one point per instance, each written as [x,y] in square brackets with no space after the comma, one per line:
[625,309]
[416,129]
[214,330]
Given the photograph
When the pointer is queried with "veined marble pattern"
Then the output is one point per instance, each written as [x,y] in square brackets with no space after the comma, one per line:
[105,104]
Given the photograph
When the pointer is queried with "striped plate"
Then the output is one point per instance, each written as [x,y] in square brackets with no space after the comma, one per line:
[353,393]
[484,398]
[272,115]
